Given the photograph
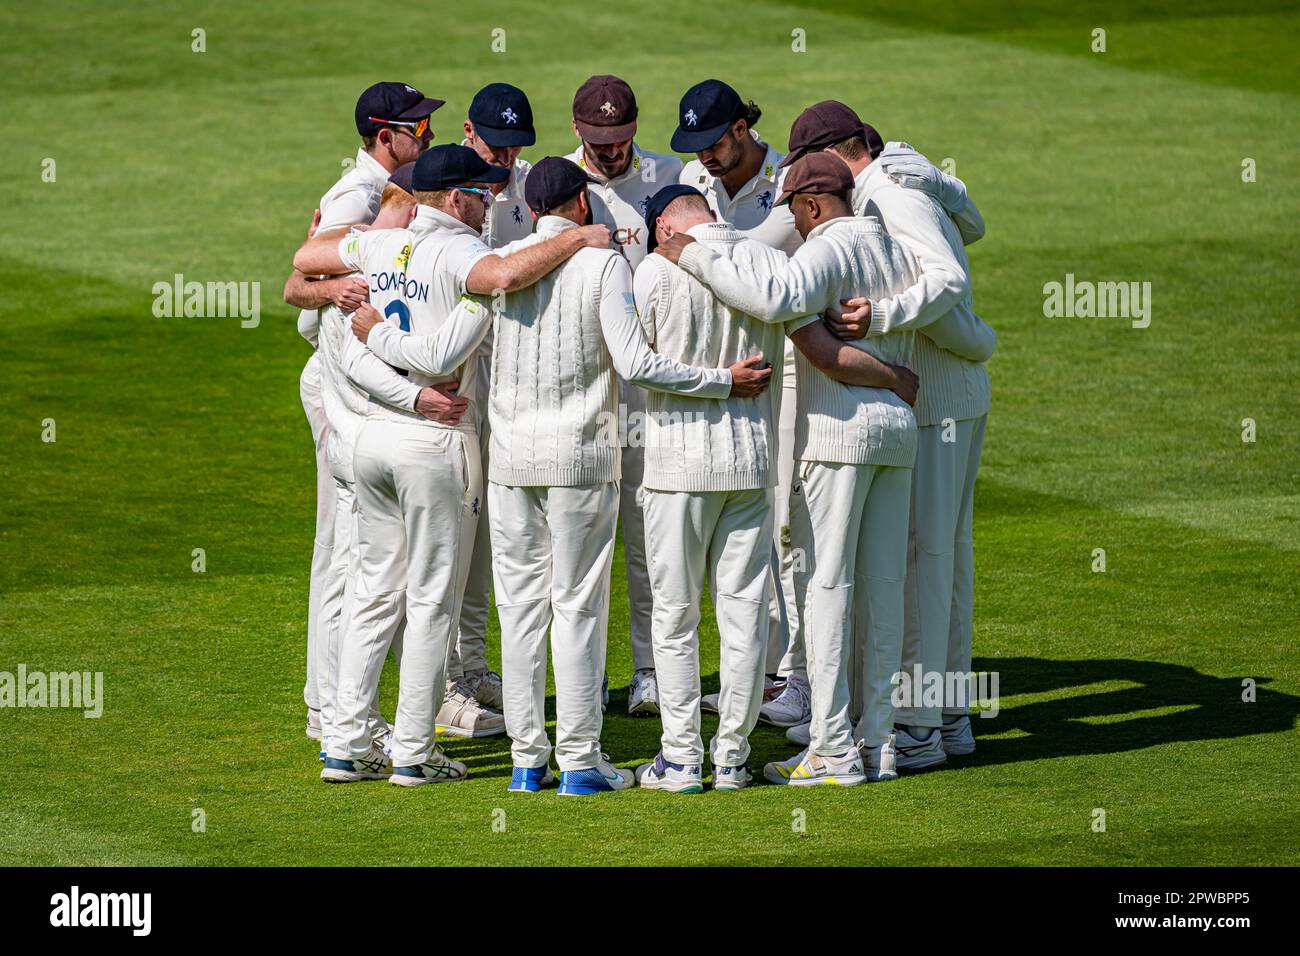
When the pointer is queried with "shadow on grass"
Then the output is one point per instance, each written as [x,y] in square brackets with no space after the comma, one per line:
[1100,718]
[1100,721]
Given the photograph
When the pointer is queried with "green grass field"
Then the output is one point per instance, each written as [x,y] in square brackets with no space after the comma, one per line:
[1121,690]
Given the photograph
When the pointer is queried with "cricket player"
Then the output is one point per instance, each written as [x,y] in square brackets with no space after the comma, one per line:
[498,126]
[741,176]
[393,121]
[626,176]
[352,378]
[855,447]
[931,215]
[710,470]
[553,479]
[418,483]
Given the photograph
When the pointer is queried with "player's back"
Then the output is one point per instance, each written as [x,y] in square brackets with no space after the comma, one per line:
[554,392]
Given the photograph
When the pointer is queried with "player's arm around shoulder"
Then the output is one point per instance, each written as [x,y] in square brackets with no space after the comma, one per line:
[333,252]
[523,267]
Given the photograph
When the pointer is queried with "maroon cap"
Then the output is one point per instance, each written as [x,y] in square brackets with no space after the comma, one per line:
[816,173]
[825,124]
[604,110]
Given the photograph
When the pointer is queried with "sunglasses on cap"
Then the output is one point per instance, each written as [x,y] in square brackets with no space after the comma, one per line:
[417,128]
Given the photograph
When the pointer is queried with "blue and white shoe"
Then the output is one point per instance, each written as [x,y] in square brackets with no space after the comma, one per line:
[375,765]
[601,778]
[673,777]
[732,778]
[439,768]
[531,779]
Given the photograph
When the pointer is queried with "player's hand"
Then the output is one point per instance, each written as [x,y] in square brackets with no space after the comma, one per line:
[750,377]
[315,224]
[350,293]
[440,403]
[905,383]
[365,318]
[850,320]
[671,248]
[595,236]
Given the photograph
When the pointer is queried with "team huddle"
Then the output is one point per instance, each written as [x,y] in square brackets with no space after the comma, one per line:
[766,367]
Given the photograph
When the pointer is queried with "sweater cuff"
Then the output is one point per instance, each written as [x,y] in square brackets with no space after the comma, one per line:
[879,322]
[688,260]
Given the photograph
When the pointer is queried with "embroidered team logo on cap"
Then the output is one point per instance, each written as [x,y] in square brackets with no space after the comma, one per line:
[690,119]
[509,115]
[608,108]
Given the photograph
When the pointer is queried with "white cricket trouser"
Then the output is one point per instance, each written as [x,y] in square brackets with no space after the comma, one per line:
[726,537]
[852,522]
[552,551]
[961,627]
[313,403]
[640,598]
[785,654]
[336,600]
[469,650]
[943,490]
[418,488]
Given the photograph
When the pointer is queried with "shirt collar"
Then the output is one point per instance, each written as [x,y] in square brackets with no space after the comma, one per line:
[554,225]
[856,223]
[371,167]
[633,167]
[428,219]
[720,229]
[769,172]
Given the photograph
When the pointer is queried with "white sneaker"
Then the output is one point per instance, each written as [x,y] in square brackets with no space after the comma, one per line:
[463,716]
[799,734]
[880,762]
[673,777]
[808,769]
[792,706]
[731,778]
[958,741]
[439,768]
[375,765]
[914,751]
[643,695]
[771,690]
[313,723]
[485,685]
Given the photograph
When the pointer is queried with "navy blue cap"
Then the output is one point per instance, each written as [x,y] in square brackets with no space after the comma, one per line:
[706,111]
[656,205]
[553,182]
[401,177]
[443,167]
[391,101]
[502,116]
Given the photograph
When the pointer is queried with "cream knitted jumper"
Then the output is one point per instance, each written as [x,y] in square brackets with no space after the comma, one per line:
[840,259]
[709,445]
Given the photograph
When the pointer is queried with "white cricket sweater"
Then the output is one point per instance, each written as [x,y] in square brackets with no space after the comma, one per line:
[559,346]
[840,259]
[953,342]
[694,444]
